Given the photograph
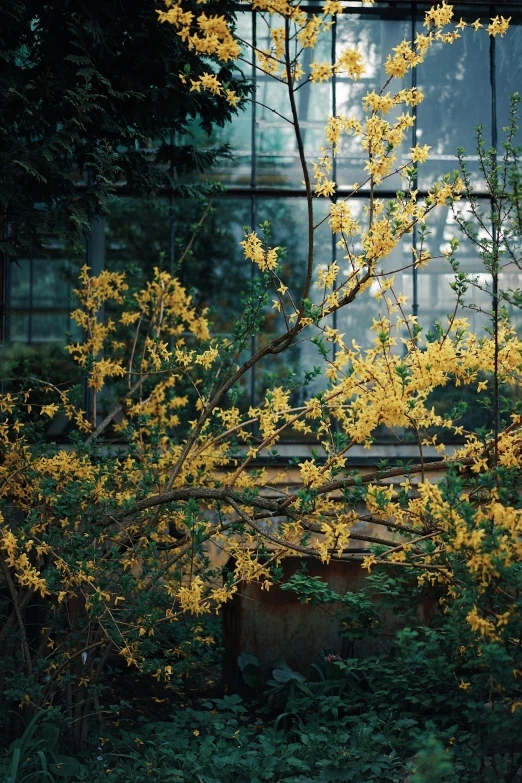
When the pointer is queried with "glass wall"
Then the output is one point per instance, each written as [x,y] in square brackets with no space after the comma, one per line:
[473,80]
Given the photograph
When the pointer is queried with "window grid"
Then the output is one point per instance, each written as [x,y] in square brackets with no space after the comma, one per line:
[254,192]
[409,11]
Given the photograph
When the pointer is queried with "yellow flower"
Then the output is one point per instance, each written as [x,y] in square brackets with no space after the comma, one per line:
[321,72]
[368,561]
[498,26]
[49,410]
[129,318]
[420,154]
[325,188]
[232,98]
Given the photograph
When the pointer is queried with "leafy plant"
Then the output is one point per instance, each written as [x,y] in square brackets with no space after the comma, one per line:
[34,756]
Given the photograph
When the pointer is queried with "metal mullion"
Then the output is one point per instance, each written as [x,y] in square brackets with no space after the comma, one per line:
[253,183]
[172,219]
[85,388]
[30,324]
[494,142]
[269,193]
[415,271]
[6,290]
[235,191]
[69,268]
[335,423]
[334,163]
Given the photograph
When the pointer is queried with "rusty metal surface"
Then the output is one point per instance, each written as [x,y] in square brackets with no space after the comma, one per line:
[275,623]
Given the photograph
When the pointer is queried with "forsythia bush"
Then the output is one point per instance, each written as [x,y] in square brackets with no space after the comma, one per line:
[109,536]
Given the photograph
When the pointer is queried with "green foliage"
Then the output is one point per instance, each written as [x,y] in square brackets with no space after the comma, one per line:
[91,97]
[453,693]
[496,230]
[35,757]
[433,763]
[222,741]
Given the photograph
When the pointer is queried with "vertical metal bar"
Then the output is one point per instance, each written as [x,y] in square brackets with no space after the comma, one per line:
[494,142]
[172,248]
[4,298]
[415,280]
[334,162]
[335,423]
[87,397]
[172,234]
[172,219]
[31,303]
[6,291]
[4,261]
[253,178]
[493,85]
[69,269]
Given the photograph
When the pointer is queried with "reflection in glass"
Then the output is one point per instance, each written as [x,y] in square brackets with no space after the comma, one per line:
[455,82]
[277,158]
[137,236]
[215,268]
[435,296]
[508,60]
[288,217]
[41,298]
[375,38]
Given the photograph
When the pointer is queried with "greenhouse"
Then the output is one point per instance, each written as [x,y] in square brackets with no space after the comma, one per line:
[261,413]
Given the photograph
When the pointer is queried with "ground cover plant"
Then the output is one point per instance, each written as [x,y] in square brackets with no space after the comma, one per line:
[105,544]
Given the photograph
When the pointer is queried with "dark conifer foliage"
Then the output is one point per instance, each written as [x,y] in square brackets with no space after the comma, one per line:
[92,96]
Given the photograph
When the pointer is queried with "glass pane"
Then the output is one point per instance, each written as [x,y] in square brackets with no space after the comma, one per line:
[374,38]
[237,133]
[289,224]
[265,22]
[18,327]
[20,282]
[455,81]
[214,268]
[236,170]
[243,29]
[137,236]
[52,283]
[49,327]
[355,320]
[277,158]
[436,298]
[510,279]
[508,59]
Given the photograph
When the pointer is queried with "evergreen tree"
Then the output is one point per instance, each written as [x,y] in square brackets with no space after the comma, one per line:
[92,95]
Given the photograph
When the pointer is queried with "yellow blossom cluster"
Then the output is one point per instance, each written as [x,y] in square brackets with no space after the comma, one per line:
[257,252]
[336,536]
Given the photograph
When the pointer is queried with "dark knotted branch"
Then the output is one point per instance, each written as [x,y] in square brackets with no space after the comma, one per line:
[274,506]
